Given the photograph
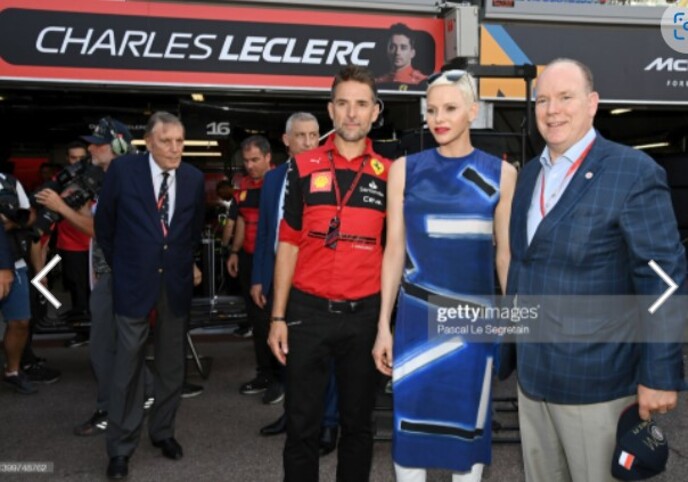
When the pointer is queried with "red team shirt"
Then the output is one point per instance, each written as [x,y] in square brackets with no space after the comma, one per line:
[352,270]
[247,198]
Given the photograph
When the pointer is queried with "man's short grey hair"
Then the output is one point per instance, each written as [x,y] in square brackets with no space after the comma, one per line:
[300,117]
[585,70]
[161,117]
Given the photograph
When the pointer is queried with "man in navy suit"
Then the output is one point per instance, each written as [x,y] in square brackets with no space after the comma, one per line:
[148,224]
[588,216]
[300,134]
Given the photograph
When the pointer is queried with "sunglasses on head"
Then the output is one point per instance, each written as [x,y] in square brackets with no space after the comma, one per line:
[452,76]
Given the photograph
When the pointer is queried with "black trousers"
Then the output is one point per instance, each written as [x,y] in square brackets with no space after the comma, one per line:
[316,337]
[125,408]
[267,365]
[75,278]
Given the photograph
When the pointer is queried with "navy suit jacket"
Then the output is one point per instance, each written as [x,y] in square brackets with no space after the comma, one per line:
[127,225]
[264,256]
[613,218]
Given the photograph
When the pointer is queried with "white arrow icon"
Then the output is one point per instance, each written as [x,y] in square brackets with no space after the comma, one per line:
[672,287]
[36,281]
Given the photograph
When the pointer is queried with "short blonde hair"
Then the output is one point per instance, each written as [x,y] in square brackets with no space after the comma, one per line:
[460,78]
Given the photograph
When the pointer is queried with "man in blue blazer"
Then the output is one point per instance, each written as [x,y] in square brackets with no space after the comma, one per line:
[148,224]
[587,217]
[301,134]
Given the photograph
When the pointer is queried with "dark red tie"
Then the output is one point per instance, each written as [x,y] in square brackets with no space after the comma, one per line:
[164,204]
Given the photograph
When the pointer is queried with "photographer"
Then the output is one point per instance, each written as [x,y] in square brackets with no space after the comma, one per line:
[14,303]
[110,139]
[72,246]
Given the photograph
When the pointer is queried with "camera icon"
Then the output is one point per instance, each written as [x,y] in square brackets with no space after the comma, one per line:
[681,26]
[674,28]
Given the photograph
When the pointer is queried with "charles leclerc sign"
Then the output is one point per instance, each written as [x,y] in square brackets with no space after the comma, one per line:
[152,43]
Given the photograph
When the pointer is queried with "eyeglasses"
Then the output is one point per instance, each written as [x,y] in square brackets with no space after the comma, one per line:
[453,76]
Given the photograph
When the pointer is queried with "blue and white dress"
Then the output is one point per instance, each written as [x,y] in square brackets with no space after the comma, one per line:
[442,382]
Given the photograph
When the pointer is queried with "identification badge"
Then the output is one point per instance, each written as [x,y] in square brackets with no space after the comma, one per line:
[332,236]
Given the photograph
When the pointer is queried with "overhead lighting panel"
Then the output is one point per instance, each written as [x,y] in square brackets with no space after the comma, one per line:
[653,145]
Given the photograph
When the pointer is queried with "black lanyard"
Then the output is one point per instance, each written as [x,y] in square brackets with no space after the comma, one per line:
[332,235]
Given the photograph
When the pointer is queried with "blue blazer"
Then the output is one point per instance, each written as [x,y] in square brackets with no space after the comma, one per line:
[128,230]
[264,256]
[614,217]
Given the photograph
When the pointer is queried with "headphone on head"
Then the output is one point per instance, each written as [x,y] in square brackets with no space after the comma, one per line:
[118,143]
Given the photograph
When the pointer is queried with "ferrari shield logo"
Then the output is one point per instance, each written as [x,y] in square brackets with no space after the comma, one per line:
[377,166]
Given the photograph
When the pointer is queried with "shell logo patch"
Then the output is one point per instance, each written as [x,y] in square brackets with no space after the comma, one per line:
[377,166]
[242,195]
[321,182]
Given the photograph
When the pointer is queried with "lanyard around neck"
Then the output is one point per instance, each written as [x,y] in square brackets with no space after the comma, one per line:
[571,171]
[342,202]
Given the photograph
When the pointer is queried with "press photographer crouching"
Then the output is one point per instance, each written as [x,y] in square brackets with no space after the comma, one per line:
[14,303]
[78,186]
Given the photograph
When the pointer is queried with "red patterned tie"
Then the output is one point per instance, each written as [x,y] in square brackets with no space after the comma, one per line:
[164,204]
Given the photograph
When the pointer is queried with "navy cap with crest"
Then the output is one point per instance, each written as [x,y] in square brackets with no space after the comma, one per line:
[107,130]
[641,448]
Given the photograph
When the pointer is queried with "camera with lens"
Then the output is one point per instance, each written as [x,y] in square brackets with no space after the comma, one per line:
[9,203]
[81,180]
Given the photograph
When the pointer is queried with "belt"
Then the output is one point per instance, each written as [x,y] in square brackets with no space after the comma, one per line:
[333,306]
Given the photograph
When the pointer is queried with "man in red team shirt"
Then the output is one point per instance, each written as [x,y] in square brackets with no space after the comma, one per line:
[256,153]
[72,245]
[328,268]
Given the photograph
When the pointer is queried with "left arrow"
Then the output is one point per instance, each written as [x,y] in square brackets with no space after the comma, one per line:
[36,281]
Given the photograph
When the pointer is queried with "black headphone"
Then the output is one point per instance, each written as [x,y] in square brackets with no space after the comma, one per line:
[118,144]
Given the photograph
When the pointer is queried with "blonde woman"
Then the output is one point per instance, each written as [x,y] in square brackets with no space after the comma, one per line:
[447,231]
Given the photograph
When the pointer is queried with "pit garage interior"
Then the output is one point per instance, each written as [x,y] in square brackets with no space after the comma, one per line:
[37,123]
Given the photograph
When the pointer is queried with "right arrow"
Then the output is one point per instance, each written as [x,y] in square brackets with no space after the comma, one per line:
[672,287]
[36,281]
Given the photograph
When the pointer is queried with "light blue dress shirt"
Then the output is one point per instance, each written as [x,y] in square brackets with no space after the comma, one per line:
[556,180]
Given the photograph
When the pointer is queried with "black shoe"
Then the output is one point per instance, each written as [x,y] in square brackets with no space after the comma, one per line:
[39,373]
[245,331]
[274,393]
[118,468]
[80,339]
[275,428]
[189,390]
[170,448]
[20,383]
[257,385]
[328,440]
[95,425]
